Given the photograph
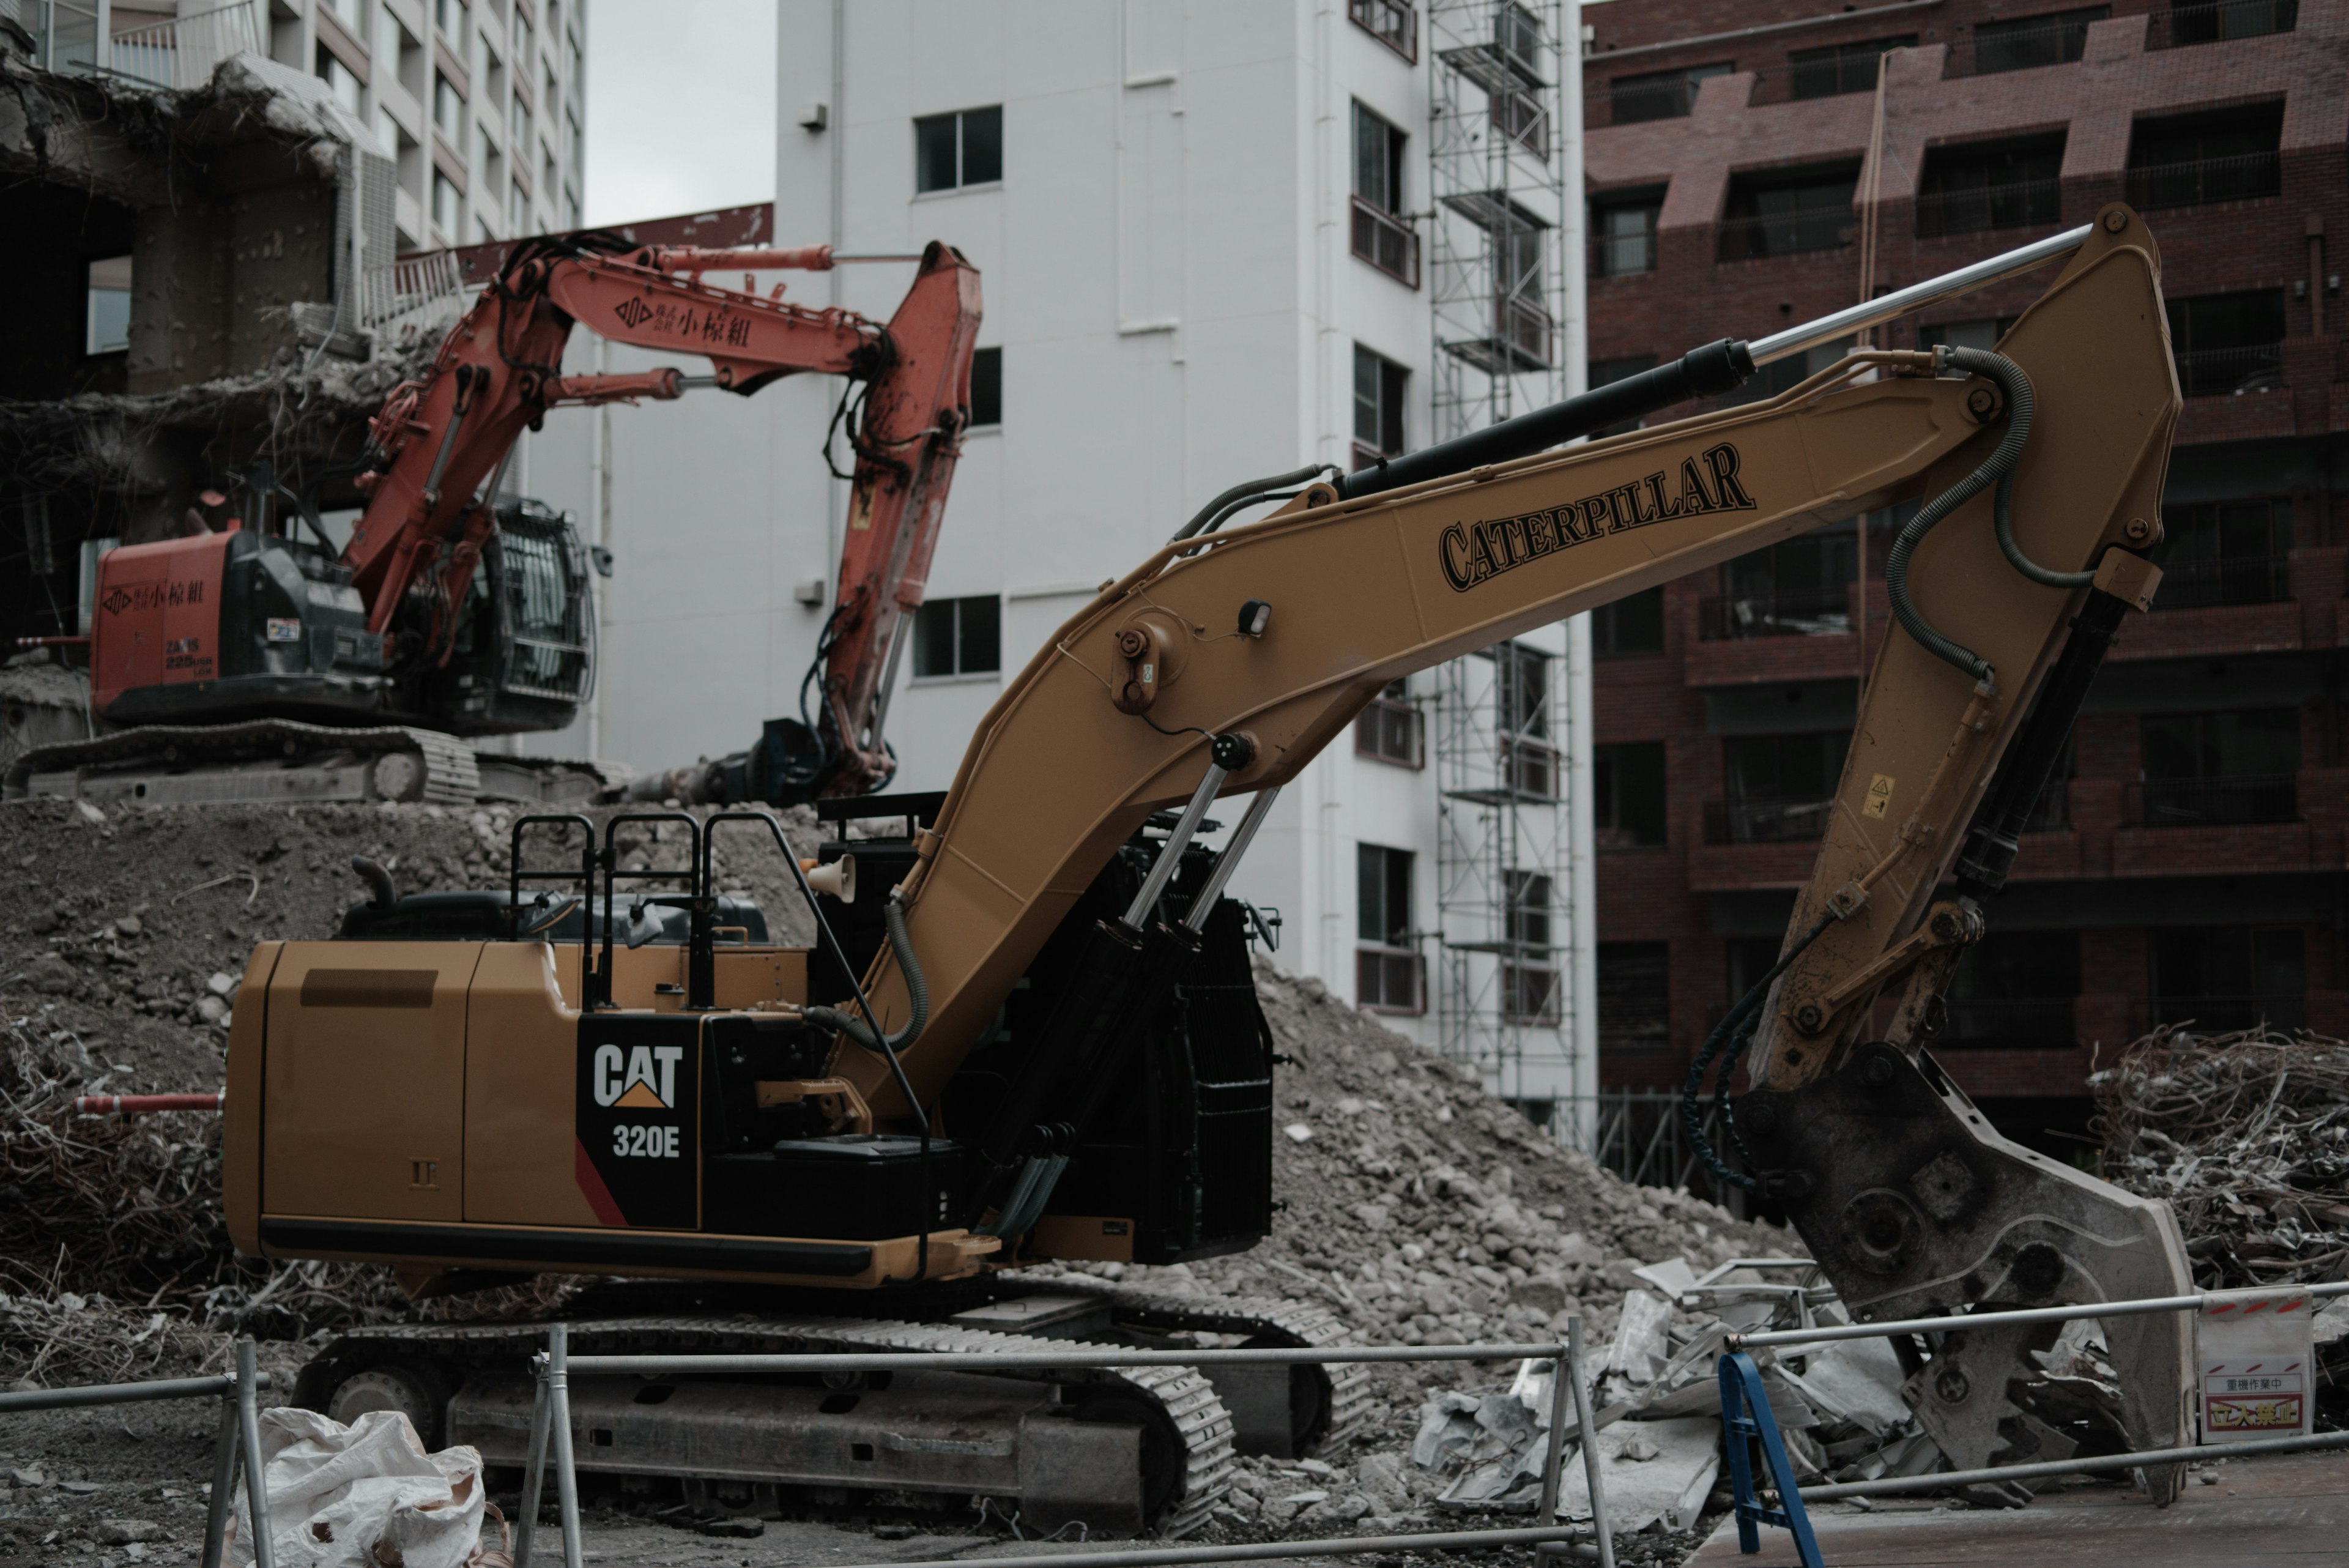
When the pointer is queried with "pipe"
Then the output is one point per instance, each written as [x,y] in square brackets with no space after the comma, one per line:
[1162,870]
[1592,1468]
[1044,1361]
[119,1393]
[1885,307]
[1240,493]
[142,1105]
[382,894]
[917,989]
[1229,860]
[2104,1463]
[1976,1319]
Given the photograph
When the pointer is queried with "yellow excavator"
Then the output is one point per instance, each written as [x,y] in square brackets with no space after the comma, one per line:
[1027,1030]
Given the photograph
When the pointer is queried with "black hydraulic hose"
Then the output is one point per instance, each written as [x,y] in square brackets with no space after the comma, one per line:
[918,988]
[1240,494]
[1998,469]
[1734,1031]
[1722,367]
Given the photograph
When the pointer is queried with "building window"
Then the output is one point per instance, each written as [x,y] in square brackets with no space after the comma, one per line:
[2188,160]
[1623,232]
[1529,759]
[986,388]
[1635,997]
[959,636]
[2014,991]
[952,151]
[1529,988]
[2225,553]
[1391,22]
[2211,770]
[1629,628]
[107,330]
[1784,212]
[2225,978]
[446,204]
[2227,343]
[1841,67]
[448,16]
[1380,385]
[1797,588]
[1985,185]
[2217,21]
[1627,794]
[1529,993]
[1388,974]
[1659,94]
[1381,237]
[339,79]
[521,130]
[2020,43]
[1390,728]
[448,109]
[1780,787]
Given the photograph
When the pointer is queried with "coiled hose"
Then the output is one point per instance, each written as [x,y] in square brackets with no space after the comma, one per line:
[1997,470]
[918,988]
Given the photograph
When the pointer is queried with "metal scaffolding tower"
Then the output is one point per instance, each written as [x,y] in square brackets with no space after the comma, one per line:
[1497,288]
[1497,174]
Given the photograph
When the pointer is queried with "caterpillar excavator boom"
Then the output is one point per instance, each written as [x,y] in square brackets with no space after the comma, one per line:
[1028,1033]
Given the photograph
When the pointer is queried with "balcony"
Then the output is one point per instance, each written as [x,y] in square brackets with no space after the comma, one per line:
[2230,580]
[1994,47]
[179,54]
[1391,22]
[2221,21]
[1645,98]
[1766,819]
[2224,372]
[2225,1014]
[2248,800]
[1387,242]
[2245,177]
[1824,612]
[1620,256]
[1791,232]
[2008,1024]
[1523,334]
[2019,205]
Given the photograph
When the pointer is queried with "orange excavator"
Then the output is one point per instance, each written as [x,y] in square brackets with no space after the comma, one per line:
[248,662]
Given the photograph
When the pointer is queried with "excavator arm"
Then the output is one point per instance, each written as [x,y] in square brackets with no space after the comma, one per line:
[440,440]
[1226,663]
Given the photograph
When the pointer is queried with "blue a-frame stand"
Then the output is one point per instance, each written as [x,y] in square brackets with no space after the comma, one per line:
[1745,1416]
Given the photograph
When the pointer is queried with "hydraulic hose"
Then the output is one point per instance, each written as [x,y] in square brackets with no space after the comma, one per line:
[1998,470]
[1206,520]
[1734,1031]
[902,945]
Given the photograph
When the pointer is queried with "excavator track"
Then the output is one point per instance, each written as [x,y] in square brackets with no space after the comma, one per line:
[1183,1399]
[282,760]
[1345,1388]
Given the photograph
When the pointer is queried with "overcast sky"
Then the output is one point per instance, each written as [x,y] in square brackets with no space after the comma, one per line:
[681,107]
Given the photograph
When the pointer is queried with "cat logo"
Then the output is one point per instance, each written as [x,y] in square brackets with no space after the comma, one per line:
[642,1078]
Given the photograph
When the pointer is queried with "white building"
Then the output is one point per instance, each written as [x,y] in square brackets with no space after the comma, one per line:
[1217,241]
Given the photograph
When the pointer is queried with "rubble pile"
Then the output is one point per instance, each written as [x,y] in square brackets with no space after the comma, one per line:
[2247,1136]
[119,959]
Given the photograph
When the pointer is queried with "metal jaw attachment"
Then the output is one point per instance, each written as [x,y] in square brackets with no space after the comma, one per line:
[1915,1208]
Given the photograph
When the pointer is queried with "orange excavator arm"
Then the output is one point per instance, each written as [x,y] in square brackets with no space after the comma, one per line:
[441,441]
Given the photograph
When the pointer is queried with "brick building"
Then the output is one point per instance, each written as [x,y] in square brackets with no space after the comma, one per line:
[2191,865]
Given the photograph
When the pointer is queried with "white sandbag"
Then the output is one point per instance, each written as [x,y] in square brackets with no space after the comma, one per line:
[361,1496]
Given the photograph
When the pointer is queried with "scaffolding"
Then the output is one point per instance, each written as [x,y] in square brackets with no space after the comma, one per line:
[1497,174]
[1497,289]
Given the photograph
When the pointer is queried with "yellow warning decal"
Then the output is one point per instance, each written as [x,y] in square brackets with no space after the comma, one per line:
[1879,795]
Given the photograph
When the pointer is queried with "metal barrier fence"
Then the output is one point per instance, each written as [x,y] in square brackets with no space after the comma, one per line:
[551,1437]
[1737,1369]
[240,1432]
